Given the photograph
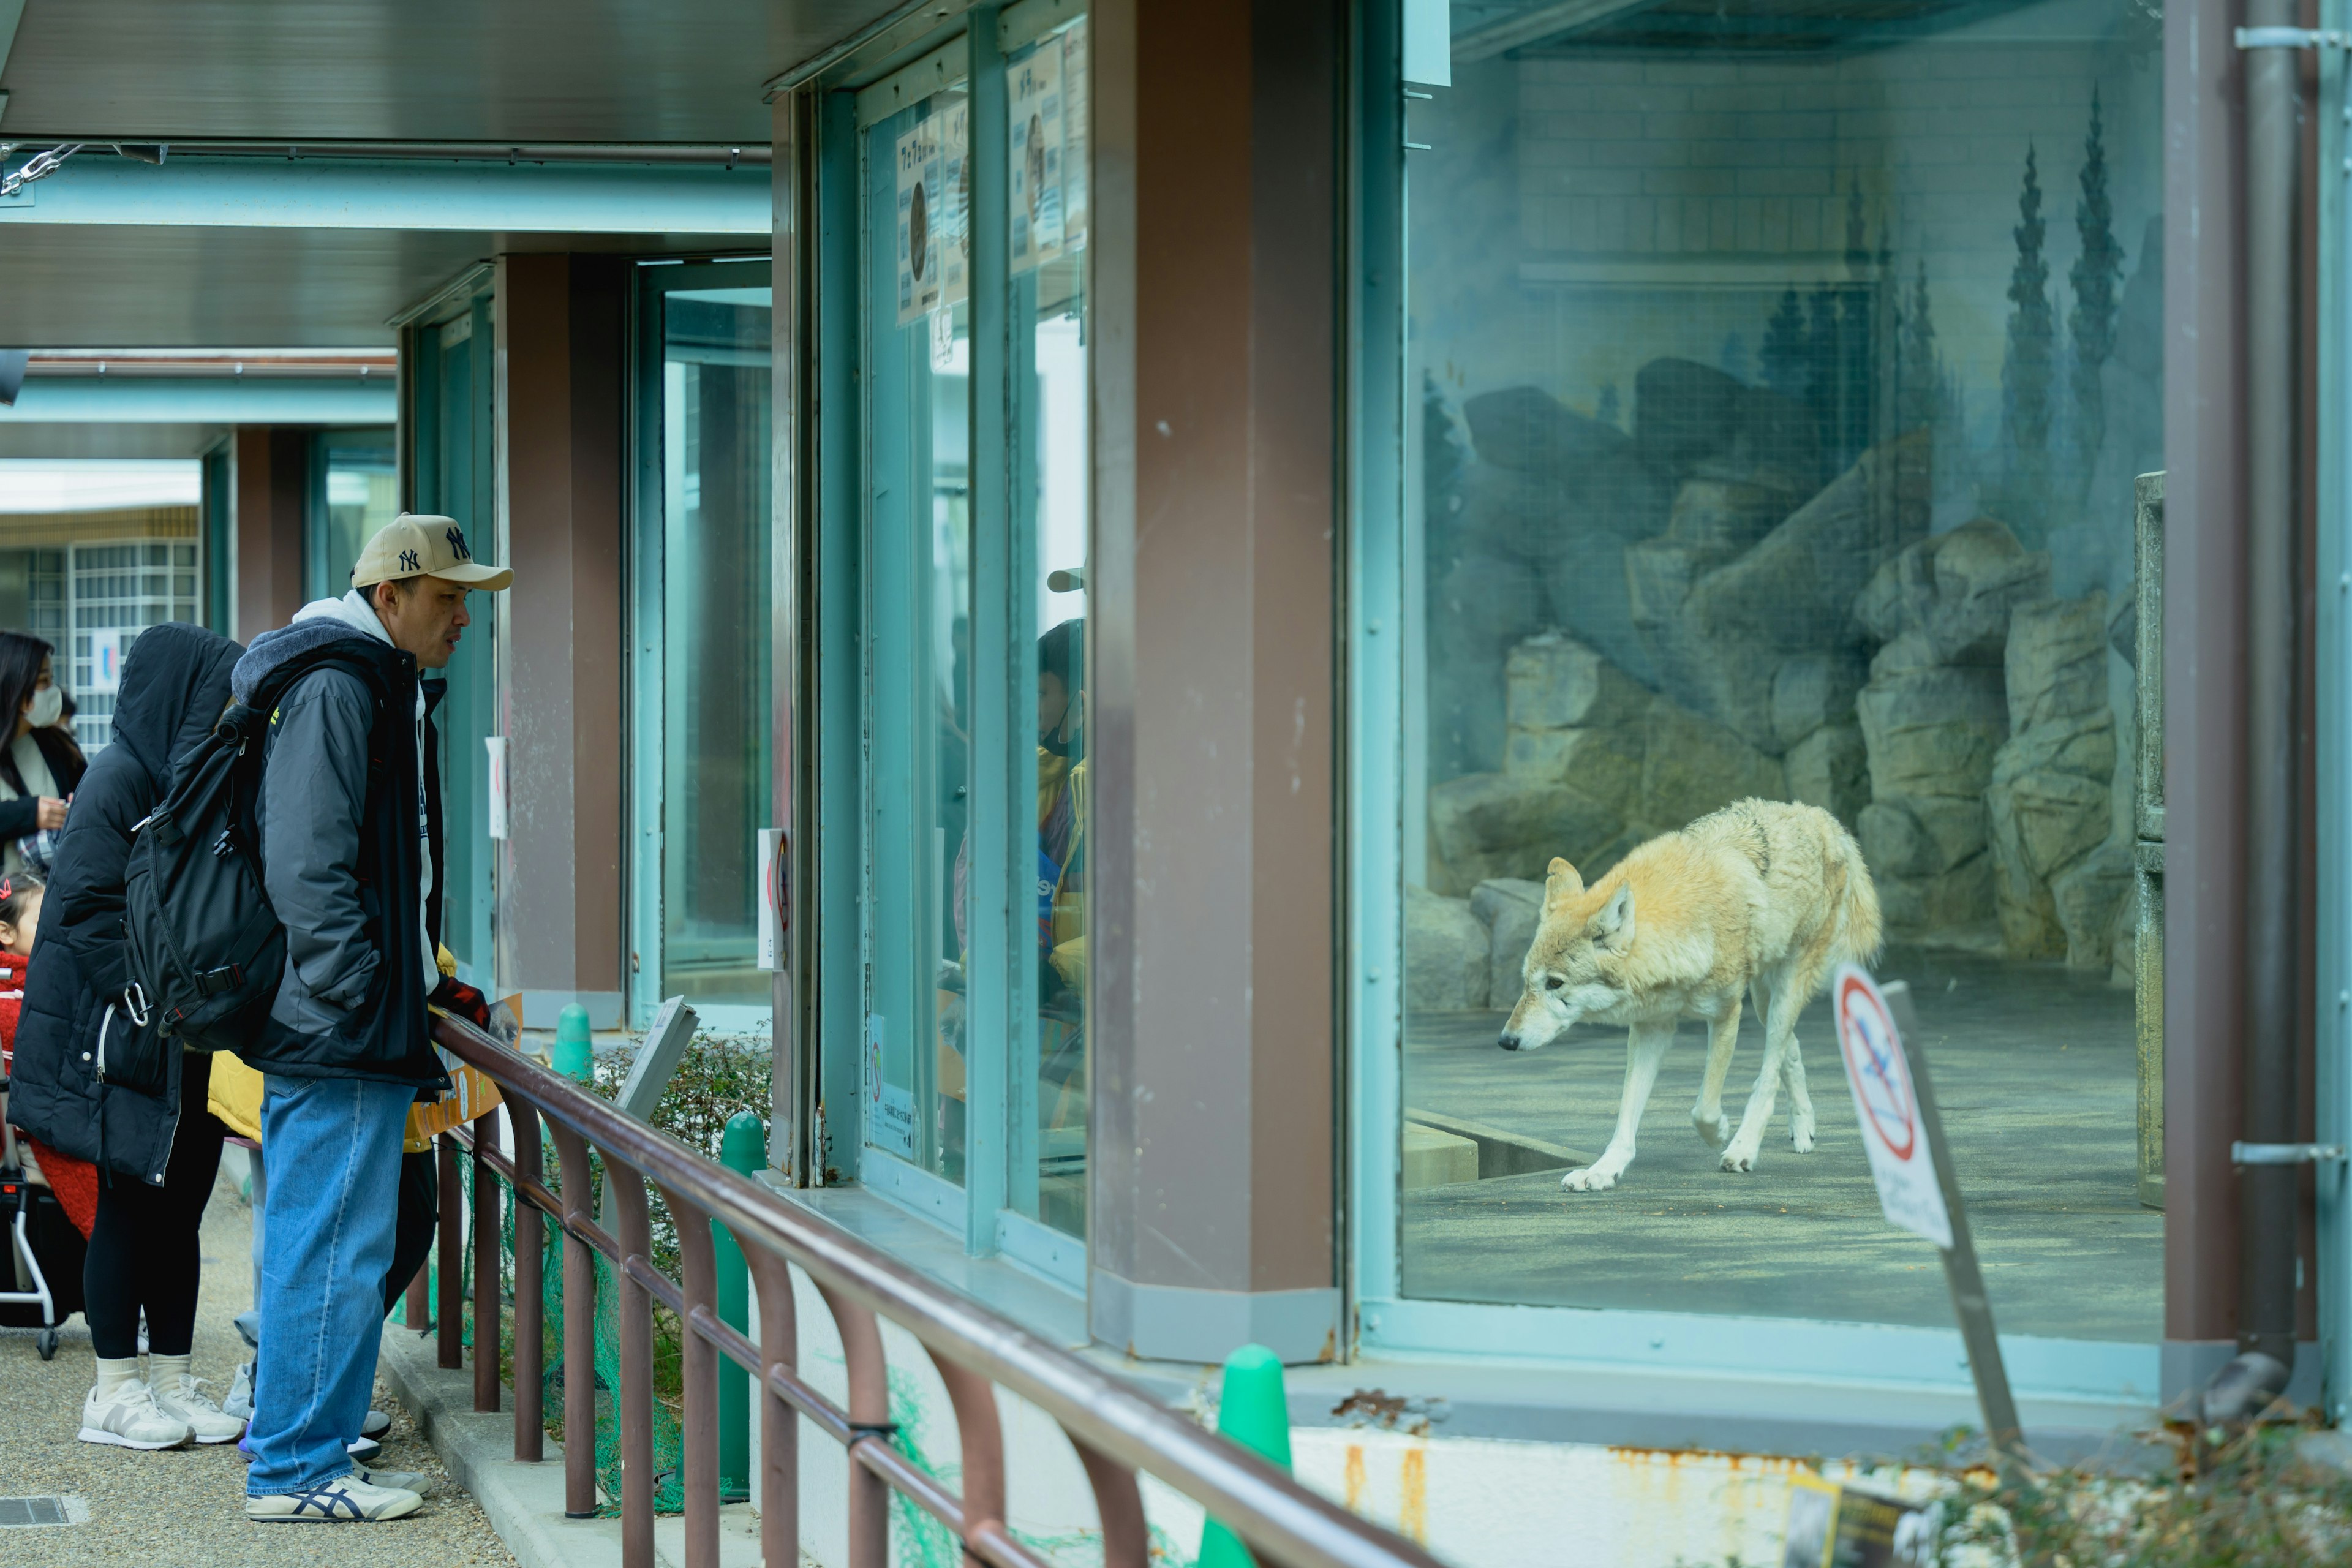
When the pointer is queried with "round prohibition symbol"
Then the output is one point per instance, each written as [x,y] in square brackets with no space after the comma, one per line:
[1873,1061]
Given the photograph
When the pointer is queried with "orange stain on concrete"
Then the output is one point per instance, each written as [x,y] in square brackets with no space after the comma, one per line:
[1413,1509]
[1353,1478]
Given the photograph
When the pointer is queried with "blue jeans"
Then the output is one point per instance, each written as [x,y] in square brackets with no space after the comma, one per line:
[331,1149]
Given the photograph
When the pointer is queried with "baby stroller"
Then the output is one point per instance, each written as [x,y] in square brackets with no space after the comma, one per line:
[40,1282]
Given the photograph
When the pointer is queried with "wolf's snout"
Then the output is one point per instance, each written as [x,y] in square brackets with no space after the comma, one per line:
[1508,1041]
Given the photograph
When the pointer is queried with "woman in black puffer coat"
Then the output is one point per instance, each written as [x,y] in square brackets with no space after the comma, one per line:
[90,1082]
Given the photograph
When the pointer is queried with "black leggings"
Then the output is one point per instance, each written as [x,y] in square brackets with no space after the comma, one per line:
[144,1248]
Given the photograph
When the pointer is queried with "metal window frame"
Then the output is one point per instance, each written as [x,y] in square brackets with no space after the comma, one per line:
[2332,713]
[1386,1322]
[965,51]
[657,277]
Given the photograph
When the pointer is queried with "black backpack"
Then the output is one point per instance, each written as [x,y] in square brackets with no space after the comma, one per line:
[207,949]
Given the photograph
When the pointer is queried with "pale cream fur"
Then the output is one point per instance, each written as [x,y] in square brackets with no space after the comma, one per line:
[1760,899]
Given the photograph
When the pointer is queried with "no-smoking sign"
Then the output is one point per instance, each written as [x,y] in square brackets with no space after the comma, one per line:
[1887,1105]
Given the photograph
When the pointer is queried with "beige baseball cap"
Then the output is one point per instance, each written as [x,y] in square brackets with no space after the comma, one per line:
[419,545]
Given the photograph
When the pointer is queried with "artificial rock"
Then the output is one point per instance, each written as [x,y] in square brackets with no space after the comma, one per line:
[1446,953]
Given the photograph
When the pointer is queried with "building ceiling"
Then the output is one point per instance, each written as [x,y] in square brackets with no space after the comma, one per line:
[104,286]
[439,70]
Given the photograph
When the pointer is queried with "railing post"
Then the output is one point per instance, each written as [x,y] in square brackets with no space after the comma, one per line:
[980,1434]
[579,1327]
[488,1246]
[699,1380]
[1126,1541]
[530,1301]
[416,1307]
[449,1249]
[780,1424]
[869,1422]
[636,1402]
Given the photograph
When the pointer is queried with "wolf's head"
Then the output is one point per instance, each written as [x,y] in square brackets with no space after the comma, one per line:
[1576,966]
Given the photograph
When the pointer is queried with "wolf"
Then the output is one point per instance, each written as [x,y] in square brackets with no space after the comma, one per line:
[1760,899]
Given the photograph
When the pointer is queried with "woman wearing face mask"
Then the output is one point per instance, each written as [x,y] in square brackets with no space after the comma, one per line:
[40,765]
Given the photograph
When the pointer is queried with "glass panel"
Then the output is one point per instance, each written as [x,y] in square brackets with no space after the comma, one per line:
[716,392]
[1047,115]
[362,496]
[918,616]
[454,462]
[1782,378]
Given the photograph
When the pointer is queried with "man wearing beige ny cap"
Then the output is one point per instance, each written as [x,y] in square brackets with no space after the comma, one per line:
[351,849]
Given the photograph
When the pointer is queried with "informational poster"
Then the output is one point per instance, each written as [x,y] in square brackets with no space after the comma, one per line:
[1832,1526]
[775,909]
[952,115]
[1033,107]
[1074,136]
[889,1108]
[919,208]
[106,660]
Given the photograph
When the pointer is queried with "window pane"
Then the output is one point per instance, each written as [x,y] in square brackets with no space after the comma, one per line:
[1046,106]
[362,496]
[918,649]
[716,394]
[1782,379]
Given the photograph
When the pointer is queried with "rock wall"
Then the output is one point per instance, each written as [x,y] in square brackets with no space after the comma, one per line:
[1722,607]
[1593,763]
[2059,882]
[1933,718]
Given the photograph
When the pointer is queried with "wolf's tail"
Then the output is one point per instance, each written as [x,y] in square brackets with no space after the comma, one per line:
[1861,932]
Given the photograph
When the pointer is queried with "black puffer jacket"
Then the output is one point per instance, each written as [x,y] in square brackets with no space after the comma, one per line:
[175,685]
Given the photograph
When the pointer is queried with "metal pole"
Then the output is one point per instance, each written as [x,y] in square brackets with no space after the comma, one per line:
[1970,1305]
[487,1265]
[2274,688]
[530,1299]
[451,1307]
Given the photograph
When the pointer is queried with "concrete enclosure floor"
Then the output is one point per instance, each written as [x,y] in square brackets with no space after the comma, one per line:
[2036,1069]
[185,1508]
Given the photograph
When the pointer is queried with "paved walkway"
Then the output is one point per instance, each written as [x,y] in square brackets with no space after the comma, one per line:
[185,1509]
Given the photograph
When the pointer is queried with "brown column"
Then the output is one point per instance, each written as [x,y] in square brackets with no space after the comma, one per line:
[270,487]
[1215,873]
[560,368]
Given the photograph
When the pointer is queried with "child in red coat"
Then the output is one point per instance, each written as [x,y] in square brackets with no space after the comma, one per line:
[75,1182]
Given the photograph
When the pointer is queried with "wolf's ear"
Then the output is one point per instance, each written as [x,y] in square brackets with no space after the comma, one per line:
[1615,918]
[1562,884]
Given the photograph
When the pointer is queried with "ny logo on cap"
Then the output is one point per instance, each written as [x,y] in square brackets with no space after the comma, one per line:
[409,562]
[458,544]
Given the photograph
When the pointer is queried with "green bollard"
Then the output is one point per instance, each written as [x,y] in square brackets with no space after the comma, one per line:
[574,1057]
[742,1147]
[1251,1411]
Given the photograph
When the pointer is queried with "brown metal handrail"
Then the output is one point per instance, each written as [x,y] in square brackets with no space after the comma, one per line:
[1116,1430]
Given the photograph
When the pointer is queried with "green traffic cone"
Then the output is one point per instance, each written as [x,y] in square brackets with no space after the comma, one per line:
[1252,1412]
[574,1053]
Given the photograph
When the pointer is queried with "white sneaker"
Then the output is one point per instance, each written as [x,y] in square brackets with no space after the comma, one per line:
[415,1481]
[239,1402]
[363,1451]
[346,1498]
[191,1404]
[376,1424]
[131,1419]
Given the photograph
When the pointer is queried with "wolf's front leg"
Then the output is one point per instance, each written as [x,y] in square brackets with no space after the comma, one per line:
[1722,1036]
[1645,1046]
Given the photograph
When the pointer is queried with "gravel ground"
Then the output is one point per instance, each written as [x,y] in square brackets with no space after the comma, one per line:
[185,1509]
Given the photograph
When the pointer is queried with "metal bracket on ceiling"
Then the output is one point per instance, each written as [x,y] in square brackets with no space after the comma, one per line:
[2293,38]
[2285,1154]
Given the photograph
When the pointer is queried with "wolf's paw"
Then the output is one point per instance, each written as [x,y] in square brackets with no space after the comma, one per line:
[1739,1159]
[1714,1131]
[1591,1179]
[1800,1133]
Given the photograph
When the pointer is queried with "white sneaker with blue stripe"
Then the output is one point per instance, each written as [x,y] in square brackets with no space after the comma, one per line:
[346,1500]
